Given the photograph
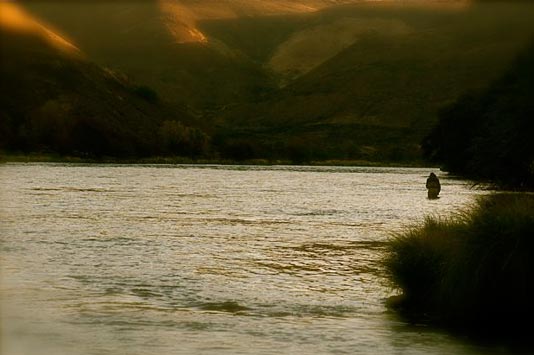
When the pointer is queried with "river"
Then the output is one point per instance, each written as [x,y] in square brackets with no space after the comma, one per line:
[177,259]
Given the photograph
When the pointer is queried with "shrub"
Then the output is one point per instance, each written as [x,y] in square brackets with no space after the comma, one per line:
[474,271]
[146,93]
[182,140]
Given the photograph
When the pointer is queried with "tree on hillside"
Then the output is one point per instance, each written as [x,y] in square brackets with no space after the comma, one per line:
[489,135]
[177,139]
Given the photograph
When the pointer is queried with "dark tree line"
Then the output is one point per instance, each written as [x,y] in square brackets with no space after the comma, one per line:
[94,136]
[490,135]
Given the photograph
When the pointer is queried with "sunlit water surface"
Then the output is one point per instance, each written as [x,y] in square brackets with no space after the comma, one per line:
[210,259]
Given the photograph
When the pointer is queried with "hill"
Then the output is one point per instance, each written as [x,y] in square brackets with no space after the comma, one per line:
[307,79]
[378,97]
[55,100]
[157,43]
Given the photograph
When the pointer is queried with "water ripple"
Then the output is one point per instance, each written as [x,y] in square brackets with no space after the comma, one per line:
[208,259]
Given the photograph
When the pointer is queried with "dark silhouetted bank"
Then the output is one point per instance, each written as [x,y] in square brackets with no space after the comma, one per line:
[474,272]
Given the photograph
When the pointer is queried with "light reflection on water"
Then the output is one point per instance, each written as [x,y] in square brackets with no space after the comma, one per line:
[209,259]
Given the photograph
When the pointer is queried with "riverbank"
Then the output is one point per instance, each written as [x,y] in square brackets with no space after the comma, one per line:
[53,158]
[472,272]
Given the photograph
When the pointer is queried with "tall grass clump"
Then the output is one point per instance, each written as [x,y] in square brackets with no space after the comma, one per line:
[474,270]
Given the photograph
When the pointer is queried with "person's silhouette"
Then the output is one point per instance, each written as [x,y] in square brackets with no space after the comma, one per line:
[433,186]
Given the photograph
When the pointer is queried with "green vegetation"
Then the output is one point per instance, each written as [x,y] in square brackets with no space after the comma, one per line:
[474,271]
[488,135]
[146,93]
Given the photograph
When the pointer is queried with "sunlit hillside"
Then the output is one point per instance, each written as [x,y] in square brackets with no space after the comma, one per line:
[182,16]
[311,47]
[351,79]
[55,100]
[14,18]
[142,38]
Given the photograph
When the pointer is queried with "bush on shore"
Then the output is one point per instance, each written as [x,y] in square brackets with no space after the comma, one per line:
[474,271]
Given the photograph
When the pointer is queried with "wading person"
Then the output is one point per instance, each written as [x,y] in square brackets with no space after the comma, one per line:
[433,186]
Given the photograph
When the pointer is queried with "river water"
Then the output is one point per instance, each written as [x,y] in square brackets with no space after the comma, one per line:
[118,259]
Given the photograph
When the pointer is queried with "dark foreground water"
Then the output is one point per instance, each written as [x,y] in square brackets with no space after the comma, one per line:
[209,259]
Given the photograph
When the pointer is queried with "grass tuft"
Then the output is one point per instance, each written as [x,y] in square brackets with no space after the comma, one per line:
[474,271]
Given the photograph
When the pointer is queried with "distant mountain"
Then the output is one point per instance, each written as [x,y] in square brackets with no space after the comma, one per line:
[305,79]
[157,43]
[391,70]
[183,17]
[54,100]
[208,53]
